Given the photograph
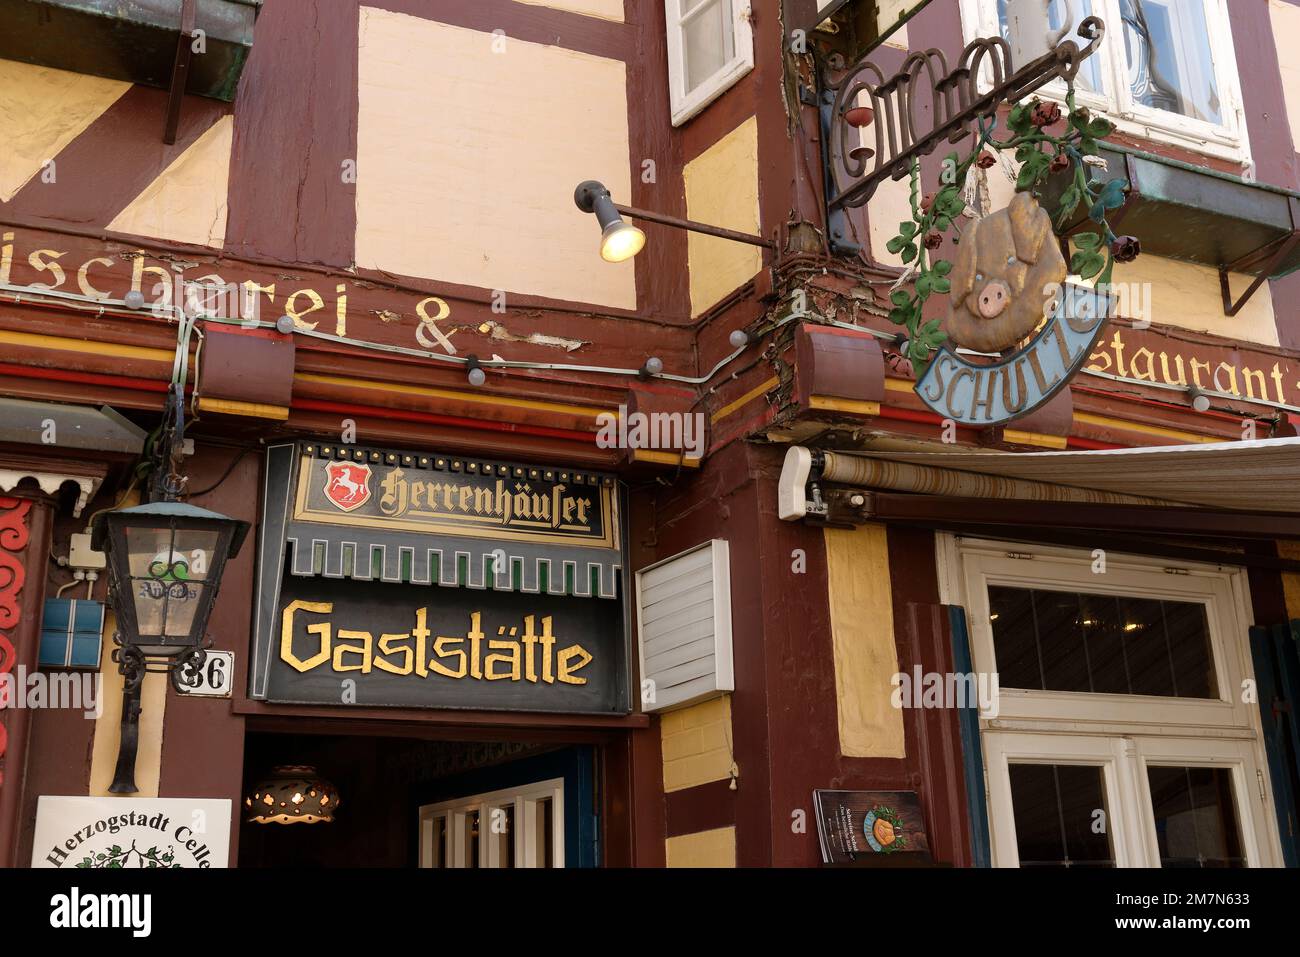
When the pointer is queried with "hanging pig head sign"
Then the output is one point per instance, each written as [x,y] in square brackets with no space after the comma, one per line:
[1007,286]
[1014,331]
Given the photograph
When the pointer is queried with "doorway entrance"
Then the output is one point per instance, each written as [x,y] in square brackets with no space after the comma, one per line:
[406,802]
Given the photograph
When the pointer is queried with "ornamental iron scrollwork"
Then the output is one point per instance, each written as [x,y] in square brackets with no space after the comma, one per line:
[956,103]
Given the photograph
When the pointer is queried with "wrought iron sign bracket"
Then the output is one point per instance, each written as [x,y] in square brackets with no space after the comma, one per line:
[956,103]
[1267,259]
[180,71]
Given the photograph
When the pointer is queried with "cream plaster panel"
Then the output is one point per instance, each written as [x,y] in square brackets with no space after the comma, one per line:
[468,158]
[890,205]
[889,12]
[696,744]
[862,636]
[1286,32]
[716,848]
[108,726]
[187,202]
[604,9]
[722,190]
[41,112]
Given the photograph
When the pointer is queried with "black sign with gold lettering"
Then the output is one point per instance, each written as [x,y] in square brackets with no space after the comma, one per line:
[405,579]
[376,644]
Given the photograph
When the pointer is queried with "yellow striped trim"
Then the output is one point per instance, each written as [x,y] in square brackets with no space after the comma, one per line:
[754,393]
[63,344]
[256,410]
[1034,438]
[858,406]
[401,389]
[1179,434]
[664,458]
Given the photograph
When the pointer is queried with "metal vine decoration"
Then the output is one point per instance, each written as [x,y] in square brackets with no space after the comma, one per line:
[957,110]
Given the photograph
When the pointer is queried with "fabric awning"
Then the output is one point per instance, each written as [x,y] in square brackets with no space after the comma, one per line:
[1255,476]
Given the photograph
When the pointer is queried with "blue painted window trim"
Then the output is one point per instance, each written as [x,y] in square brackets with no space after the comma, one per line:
[1276,654]
[971,749]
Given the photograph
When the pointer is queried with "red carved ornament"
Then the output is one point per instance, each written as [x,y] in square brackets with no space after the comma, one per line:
[13,539]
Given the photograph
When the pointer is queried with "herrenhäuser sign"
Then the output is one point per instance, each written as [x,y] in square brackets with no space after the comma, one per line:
[404,579]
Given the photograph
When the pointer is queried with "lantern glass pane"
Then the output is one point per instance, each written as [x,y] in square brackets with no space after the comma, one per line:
[165,568]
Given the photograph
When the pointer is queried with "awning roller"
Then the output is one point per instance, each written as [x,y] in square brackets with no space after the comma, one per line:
[868,472]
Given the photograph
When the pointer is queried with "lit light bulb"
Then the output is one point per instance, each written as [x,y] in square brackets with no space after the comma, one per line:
[620,241]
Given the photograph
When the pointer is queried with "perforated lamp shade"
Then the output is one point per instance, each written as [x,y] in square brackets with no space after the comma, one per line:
[292,794]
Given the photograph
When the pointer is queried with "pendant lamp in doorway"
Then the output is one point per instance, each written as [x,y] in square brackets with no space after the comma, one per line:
[292,794]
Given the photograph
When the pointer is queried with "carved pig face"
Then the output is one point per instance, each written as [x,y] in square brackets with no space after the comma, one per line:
[1008,267]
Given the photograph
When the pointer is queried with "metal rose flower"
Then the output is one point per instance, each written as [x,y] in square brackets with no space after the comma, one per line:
[1061,161]
[933,240]
[986,160]
[1045,114]
[1125,249]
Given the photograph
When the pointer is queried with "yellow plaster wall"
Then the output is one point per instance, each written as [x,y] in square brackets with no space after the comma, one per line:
[41,112]
[715,848]
[468,158]
[722,190]
[1290,580]
[187,202]
[604,9]
[1286,32]
[153,704]
[696,744]
[862,634]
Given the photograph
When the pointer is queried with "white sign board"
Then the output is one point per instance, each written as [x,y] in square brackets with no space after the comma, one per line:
[119,833]
[216,678]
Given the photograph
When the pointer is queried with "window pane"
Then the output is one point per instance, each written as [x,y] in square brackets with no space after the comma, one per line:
[471,838]
[709,43]
[503,833]
[1103,644]
[1025,28]
[1196,817]
[544,833]
[1167,46]
[1061,816]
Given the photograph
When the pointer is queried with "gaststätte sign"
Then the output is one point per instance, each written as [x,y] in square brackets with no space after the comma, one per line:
[410,579]
[992,393]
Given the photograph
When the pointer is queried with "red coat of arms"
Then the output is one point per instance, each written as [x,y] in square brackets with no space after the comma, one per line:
[347,485]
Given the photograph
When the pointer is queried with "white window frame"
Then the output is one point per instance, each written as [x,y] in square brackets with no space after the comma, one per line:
[523,799]
[1227,140]
[686,104]
[1122,733]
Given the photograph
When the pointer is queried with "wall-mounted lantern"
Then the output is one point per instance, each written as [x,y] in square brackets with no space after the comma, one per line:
[165,562]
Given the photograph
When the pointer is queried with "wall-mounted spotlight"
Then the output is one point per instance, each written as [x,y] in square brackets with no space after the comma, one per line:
[621,240]
[1200,400]
[652,367]
[476,374]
